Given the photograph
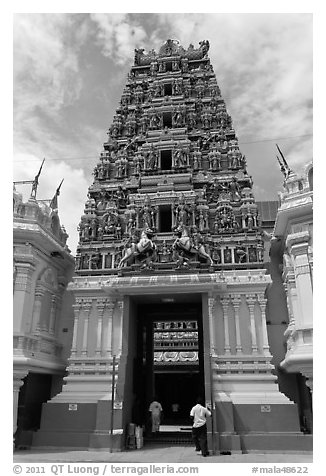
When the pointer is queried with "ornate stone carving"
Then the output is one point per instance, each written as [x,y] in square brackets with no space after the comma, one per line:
[143,250]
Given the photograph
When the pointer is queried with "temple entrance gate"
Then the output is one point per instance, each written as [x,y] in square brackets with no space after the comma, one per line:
[169,358]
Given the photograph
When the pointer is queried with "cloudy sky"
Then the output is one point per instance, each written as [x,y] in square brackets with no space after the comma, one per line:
[70,69]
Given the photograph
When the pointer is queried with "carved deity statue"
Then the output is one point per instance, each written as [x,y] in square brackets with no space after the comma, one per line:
[151,158]
[181,213]
[147,214]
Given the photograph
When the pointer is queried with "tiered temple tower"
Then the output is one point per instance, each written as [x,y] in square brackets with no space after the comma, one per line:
[170,233]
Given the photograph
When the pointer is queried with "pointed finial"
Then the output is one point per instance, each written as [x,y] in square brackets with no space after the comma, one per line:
[281,167]
[54,201]
[286,166]
[35,181]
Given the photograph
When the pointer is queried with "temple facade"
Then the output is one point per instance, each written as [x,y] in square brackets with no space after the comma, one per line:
[171,287]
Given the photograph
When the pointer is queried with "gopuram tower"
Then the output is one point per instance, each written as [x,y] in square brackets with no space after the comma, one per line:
[170,278]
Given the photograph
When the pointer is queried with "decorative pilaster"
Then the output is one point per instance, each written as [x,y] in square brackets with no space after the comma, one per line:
[120,309]
[211,302]
[108,329]
[225,305]
[38,296]
[262,303]
[251,300]
[236,301]
[59,298]
[76,308]
[53,312]
[222,254]
[232,255]
[87,305]
[100,304]
[23,281]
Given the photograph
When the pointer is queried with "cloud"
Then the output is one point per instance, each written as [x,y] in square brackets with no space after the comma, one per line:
[45,64]
[117,36]
[263,64]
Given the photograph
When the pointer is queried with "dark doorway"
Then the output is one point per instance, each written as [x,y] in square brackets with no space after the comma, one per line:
[166,159]
[165,218]
[168,89]
[35,391]
[159,368]
[178,395]
[167,119]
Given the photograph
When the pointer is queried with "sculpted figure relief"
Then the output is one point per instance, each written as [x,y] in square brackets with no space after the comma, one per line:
[143,251]
[181,213]
[185,247]
[139,52]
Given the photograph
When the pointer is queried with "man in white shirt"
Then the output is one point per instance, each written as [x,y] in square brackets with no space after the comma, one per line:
[155,408]
[199,413]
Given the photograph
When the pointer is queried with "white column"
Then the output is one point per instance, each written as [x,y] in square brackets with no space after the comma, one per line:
[100,304]
[52,314]
[236,301]
[225,304]
[39,293]
[59,298]
[211,302]
[262,303]
[76,308]
[87,304]
[299,252]
[120,308]
[251,299]
[108,330]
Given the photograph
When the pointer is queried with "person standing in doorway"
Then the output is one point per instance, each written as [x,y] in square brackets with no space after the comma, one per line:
[156,410]
[199,413]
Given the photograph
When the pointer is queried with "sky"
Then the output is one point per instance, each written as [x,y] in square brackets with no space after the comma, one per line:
[69,71]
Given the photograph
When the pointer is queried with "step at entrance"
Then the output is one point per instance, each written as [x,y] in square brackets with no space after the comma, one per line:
[172,436]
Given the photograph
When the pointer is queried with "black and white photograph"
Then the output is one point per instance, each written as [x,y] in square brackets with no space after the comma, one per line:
[162,241]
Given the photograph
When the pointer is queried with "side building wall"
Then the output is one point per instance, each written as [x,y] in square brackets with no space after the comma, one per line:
[42,312]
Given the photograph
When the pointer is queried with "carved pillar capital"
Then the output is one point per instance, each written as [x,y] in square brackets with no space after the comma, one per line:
[76,307]
[251,300]
[262,300]
[100,306]
[39,291]
[110,305]
[23,276]
[236,300]
[87,305]
[211,301]
[225,301]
